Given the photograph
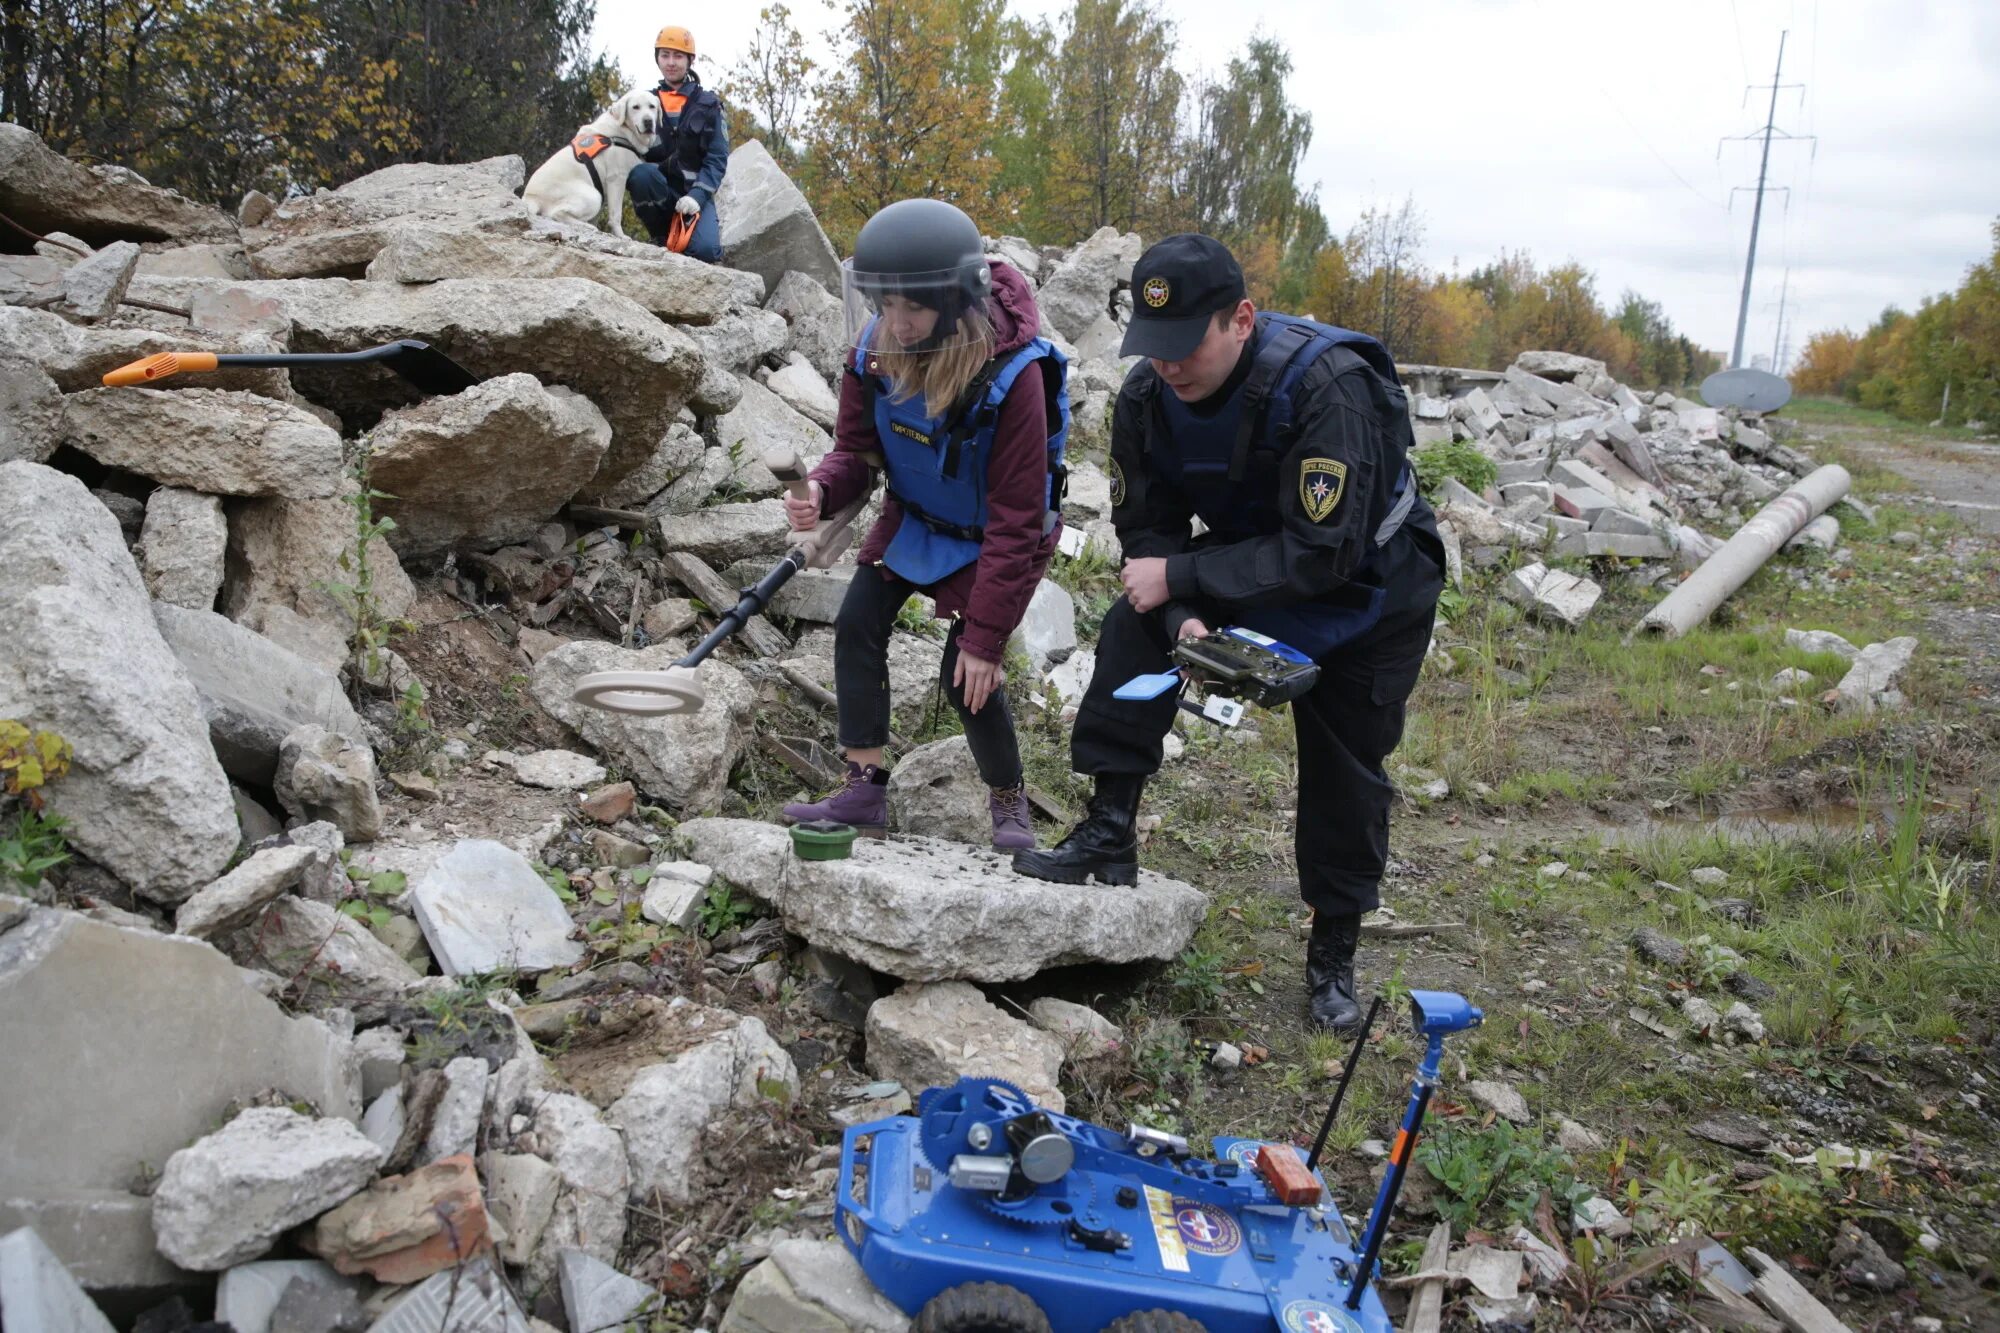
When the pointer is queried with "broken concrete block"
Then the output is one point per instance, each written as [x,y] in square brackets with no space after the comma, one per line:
[1582,476]
[228,1196]
[1498,1098]
[1552,594]
[484,909]
[324,775]
[93,287]
[249,1295]
[1513,471]
[1652,547]
[1871,682]
[383,1121]
[1452,491]
[930,1035]
[37,1293]
[810,1285]
[558,770]
[1085,1033]
[597,1296]
[673,902]
[1617,520]
[381,1052]
[521,1193]
[665,1107]
[99,1020]
[926,909]
[1823,533]
[1478,411]
[234,900]
[1821,641]
[454,1130]
[1515,493]
[1581,502]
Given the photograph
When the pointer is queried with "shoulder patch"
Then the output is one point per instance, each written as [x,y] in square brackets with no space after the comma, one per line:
[1117,484]
[1322,481]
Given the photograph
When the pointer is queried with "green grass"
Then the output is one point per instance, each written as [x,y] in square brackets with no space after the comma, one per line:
[1816,411]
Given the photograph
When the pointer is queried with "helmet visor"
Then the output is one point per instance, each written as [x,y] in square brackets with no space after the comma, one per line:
[907,312]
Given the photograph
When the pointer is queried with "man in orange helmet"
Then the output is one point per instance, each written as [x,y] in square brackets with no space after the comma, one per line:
[683,172]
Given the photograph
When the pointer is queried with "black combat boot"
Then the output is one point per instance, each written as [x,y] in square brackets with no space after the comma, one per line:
[1330,972]
[1105,844]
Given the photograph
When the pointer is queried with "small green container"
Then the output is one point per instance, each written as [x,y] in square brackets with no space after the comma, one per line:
[822,840]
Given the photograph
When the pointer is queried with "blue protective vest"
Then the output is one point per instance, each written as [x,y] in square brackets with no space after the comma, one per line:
[1227,466]
[937,465]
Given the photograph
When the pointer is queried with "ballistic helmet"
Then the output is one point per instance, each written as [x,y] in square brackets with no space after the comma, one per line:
[924,251]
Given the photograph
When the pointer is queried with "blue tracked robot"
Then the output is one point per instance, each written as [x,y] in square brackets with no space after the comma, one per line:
[984,1213]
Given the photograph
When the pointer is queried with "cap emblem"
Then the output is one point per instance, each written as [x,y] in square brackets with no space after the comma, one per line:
[1156,292]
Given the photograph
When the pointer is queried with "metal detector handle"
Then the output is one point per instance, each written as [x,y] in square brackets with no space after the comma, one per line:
[829,539]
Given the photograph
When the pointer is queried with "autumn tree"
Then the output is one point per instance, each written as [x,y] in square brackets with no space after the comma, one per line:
[1826,366]
[1023,127]
[1385,250]
[893,121]
[1115,119]
[771,81]
[209,97]
[451,81]
[212,97]
[1241,152]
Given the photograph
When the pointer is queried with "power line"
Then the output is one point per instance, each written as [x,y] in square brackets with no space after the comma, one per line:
[1769,131]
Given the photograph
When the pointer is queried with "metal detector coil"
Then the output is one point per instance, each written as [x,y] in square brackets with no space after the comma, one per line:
[677,688]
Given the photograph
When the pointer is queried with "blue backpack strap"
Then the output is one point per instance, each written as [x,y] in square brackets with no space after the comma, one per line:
[857,366]
[1272,360]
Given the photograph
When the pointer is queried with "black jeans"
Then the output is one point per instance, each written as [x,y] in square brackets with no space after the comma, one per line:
[1346,726]
[861,679]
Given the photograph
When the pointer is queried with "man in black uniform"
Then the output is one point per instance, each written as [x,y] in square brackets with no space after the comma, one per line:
[1289,440]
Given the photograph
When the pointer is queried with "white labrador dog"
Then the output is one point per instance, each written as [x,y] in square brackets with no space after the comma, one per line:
[567,186]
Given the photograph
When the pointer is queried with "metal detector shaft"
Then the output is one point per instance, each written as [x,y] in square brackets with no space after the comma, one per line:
[754,599]
[1346,1077]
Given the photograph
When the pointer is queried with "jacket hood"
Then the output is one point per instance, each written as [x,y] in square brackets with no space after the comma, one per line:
[1016,317]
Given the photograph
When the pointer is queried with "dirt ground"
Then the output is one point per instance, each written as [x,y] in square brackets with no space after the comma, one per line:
[1835,873]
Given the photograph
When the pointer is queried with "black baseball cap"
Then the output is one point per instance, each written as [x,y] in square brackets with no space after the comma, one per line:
[1177,286]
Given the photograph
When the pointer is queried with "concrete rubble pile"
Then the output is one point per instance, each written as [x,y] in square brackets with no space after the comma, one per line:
[318,1034]
[314,1040]
[1586,467]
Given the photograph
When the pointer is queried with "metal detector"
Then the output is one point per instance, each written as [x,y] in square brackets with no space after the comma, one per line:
[677,689]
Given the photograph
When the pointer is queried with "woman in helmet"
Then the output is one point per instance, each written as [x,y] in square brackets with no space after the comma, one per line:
[948,383]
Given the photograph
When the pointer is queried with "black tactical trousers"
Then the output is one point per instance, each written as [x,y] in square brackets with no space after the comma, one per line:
[861,679]
[1346,726]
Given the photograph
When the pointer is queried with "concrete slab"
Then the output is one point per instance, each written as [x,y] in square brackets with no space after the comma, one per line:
[121,1048]
[37,1294]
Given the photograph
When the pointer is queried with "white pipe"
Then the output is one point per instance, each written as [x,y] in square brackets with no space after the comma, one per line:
[1744,554]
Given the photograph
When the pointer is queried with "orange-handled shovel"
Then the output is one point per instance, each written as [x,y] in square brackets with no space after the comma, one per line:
[418,362]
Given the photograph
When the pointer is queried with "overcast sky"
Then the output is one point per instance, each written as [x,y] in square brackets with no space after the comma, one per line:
[1586,130]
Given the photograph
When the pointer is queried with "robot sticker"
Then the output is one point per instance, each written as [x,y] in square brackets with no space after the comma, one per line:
[1317,1317]
[1160,1208]
[1244,1154]
[1206,1229]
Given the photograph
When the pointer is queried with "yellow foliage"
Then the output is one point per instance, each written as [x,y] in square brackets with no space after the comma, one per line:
[1827,363]
[30,760]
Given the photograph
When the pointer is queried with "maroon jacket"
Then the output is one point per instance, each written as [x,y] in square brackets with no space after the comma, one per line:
[992,592]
